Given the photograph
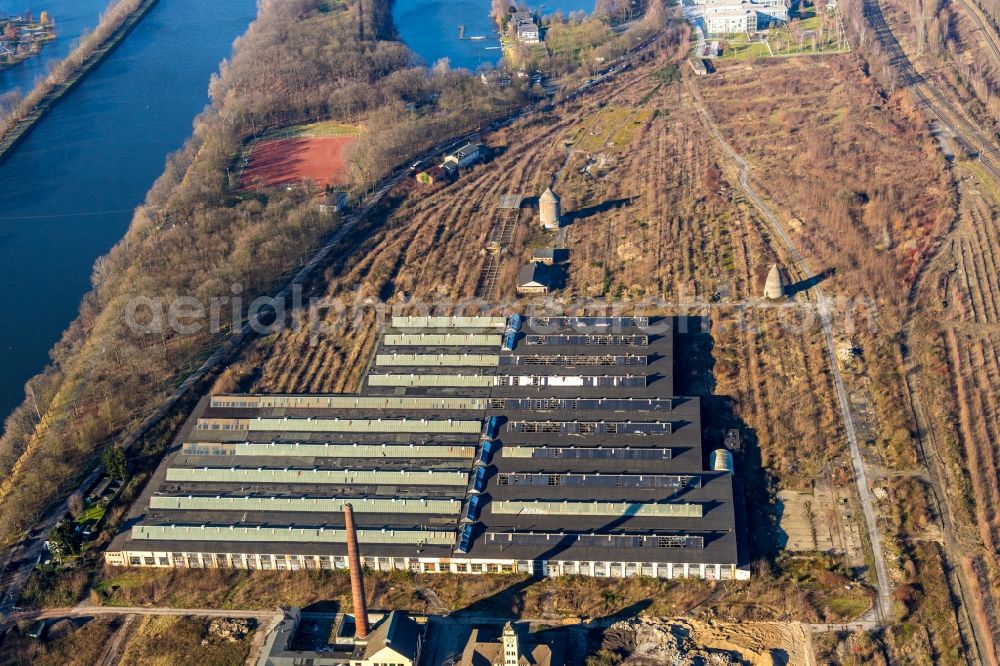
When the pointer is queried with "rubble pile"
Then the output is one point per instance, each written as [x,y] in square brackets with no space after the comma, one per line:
[230,629]
[685,642]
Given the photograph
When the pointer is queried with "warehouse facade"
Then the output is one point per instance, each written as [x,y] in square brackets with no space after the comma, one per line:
[548,446]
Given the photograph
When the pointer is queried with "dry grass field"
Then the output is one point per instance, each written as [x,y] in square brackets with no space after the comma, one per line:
[863,180]
[818,593]
[165,641]
[957,313]
[654,225]
[954,330]
[655,221]
[863,189]
[78,646]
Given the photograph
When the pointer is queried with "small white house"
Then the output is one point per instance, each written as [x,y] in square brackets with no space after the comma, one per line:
[468,154]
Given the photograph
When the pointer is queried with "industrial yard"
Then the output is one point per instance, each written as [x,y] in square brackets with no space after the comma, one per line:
[585,381]
[477,445]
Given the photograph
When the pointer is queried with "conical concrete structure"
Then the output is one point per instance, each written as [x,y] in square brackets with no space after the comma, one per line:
[548,209]
[774,286]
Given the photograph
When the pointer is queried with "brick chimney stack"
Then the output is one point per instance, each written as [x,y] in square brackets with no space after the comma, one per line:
[362,628]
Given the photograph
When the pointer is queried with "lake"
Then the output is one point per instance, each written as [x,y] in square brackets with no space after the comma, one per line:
[67,191]
[431,28]
[72,19]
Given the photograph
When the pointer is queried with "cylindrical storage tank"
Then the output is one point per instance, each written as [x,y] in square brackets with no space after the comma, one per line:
[722,461]
[548,209]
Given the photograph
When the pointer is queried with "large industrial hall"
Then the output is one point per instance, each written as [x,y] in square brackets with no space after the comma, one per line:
[541,445]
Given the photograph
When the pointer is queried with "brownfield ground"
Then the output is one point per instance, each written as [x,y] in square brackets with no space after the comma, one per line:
[866,195]
[654,221]
[651,223]
[959,370]
[955,311]
[320,159]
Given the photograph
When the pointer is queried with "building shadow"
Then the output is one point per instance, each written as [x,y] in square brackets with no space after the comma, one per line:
[590,211]
[754,490]
[693,360]
[508,602]
[806,285]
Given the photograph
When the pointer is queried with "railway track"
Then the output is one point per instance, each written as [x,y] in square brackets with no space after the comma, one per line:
[966,133]
[882,609]
[988,33]
[501,234]
[974,635]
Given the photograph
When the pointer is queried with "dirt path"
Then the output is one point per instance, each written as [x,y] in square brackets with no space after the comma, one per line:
[883,608]
[114,653]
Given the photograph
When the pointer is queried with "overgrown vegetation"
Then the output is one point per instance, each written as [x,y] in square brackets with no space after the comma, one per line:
[66,644]
[871,214]
[798,593]
[196,237]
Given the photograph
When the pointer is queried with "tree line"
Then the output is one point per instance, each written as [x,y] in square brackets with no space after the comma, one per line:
[196,235]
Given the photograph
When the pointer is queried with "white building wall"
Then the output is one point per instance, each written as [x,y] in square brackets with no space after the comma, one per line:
[605,569]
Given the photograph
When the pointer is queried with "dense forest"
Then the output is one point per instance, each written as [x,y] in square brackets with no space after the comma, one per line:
[196,236]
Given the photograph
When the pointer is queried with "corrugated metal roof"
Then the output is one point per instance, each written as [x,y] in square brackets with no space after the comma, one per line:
[439,360]
[449,322]
[587,452]
[585,508]
[320,476]
[222,533]
[346,402]
[327,450]
[310,504]
[343,425]
[443,339]
[468,381]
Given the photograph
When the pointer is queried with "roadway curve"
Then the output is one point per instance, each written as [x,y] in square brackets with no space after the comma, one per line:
[883,606]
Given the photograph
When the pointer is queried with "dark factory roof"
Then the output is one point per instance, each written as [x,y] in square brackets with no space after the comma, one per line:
[590,455]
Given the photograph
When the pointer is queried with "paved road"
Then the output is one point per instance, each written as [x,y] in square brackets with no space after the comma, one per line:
[883,609]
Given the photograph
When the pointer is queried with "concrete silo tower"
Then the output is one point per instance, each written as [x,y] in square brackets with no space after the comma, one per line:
[774,286]
[548,209]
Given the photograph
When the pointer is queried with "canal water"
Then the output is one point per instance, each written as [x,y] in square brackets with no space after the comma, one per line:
[67,191]
[431,28]
[72,18]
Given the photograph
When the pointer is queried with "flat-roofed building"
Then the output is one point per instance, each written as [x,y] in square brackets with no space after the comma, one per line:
[730,19]
[733,16]
[544,445]
[465,156]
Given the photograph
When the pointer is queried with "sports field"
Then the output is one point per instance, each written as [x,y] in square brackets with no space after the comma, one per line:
[316,153]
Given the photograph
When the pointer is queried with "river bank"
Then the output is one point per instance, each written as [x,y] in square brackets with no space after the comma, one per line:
[195,236]
[463,31]
[48,92]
